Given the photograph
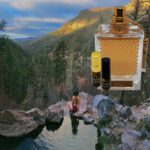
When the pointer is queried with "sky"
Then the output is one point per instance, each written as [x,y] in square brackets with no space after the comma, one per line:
[35,18]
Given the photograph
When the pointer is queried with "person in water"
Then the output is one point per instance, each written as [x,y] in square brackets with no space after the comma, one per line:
[75,100]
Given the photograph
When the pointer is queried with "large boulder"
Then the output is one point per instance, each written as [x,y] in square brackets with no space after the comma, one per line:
[17,123]
[37,115]
[105,106]
[55,113]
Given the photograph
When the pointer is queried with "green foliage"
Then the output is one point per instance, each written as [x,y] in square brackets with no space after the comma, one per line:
[104,139]
[38,70]
[13,74]
[60,63]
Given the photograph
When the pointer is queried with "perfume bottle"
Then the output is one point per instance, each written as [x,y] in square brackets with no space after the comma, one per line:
[106,72]
[123,42]
[96,68]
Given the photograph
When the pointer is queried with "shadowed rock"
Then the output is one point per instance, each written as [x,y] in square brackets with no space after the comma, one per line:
[17,123]
[55,113]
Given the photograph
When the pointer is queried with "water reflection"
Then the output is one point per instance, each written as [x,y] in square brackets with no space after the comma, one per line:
[99,144]
[58,137]
[13,143]
[74,124]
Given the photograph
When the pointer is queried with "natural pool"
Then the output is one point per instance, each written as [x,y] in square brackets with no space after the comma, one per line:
[72,134]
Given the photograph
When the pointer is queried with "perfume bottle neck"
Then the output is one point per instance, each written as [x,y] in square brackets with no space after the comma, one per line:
[120,21]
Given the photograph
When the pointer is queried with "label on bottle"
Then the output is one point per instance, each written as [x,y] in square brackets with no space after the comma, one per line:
[96,79]
[106,84]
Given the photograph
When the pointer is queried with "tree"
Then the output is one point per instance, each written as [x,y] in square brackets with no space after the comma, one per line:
[13,76]
[60,66]
[60,63]
[135,13]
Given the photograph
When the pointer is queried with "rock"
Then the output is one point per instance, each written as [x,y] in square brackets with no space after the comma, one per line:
[88,119]
[147,123]
[121,125]
[104,105]
[37,115]
[105,131]
[124,147]
[96,100]
[85,103]
[118,107]
[143,145]
[125,112]
[113,125]
[130,137]
[17,123]
[132,118]
[55,113]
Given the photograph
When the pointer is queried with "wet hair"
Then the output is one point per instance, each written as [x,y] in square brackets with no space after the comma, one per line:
[75,91]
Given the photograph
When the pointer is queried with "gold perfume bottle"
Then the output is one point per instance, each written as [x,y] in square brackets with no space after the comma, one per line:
[96,68]
[123,42]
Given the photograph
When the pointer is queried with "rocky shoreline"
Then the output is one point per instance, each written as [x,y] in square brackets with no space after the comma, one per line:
[126,127]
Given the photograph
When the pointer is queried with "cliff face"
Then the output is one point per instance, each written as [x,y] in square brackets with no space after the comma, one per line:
[84,19]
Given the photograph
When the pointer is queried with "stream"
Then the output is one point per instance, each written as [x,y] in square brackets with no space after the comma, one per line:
[72,134]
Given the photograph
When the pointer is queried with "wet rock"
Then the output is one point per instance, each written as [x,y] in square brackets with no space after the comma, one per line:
[17,123]
[88,119]
[125,112]
[55,113]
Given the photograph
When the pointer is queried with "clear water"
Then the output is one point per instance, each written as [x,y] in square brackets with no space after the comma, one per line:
[71,135]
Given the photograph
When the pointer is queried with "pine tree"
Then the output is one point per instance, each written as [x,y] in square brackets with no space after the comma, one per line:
[60,64]
[60,67]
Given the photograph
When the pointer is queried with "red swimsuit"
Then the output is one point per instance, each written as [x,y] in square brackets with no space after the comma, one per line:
[74,108]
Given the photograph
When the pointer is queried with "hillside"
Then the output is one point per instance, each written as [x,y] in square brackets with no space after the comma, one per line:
[87,20]
[13,73]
